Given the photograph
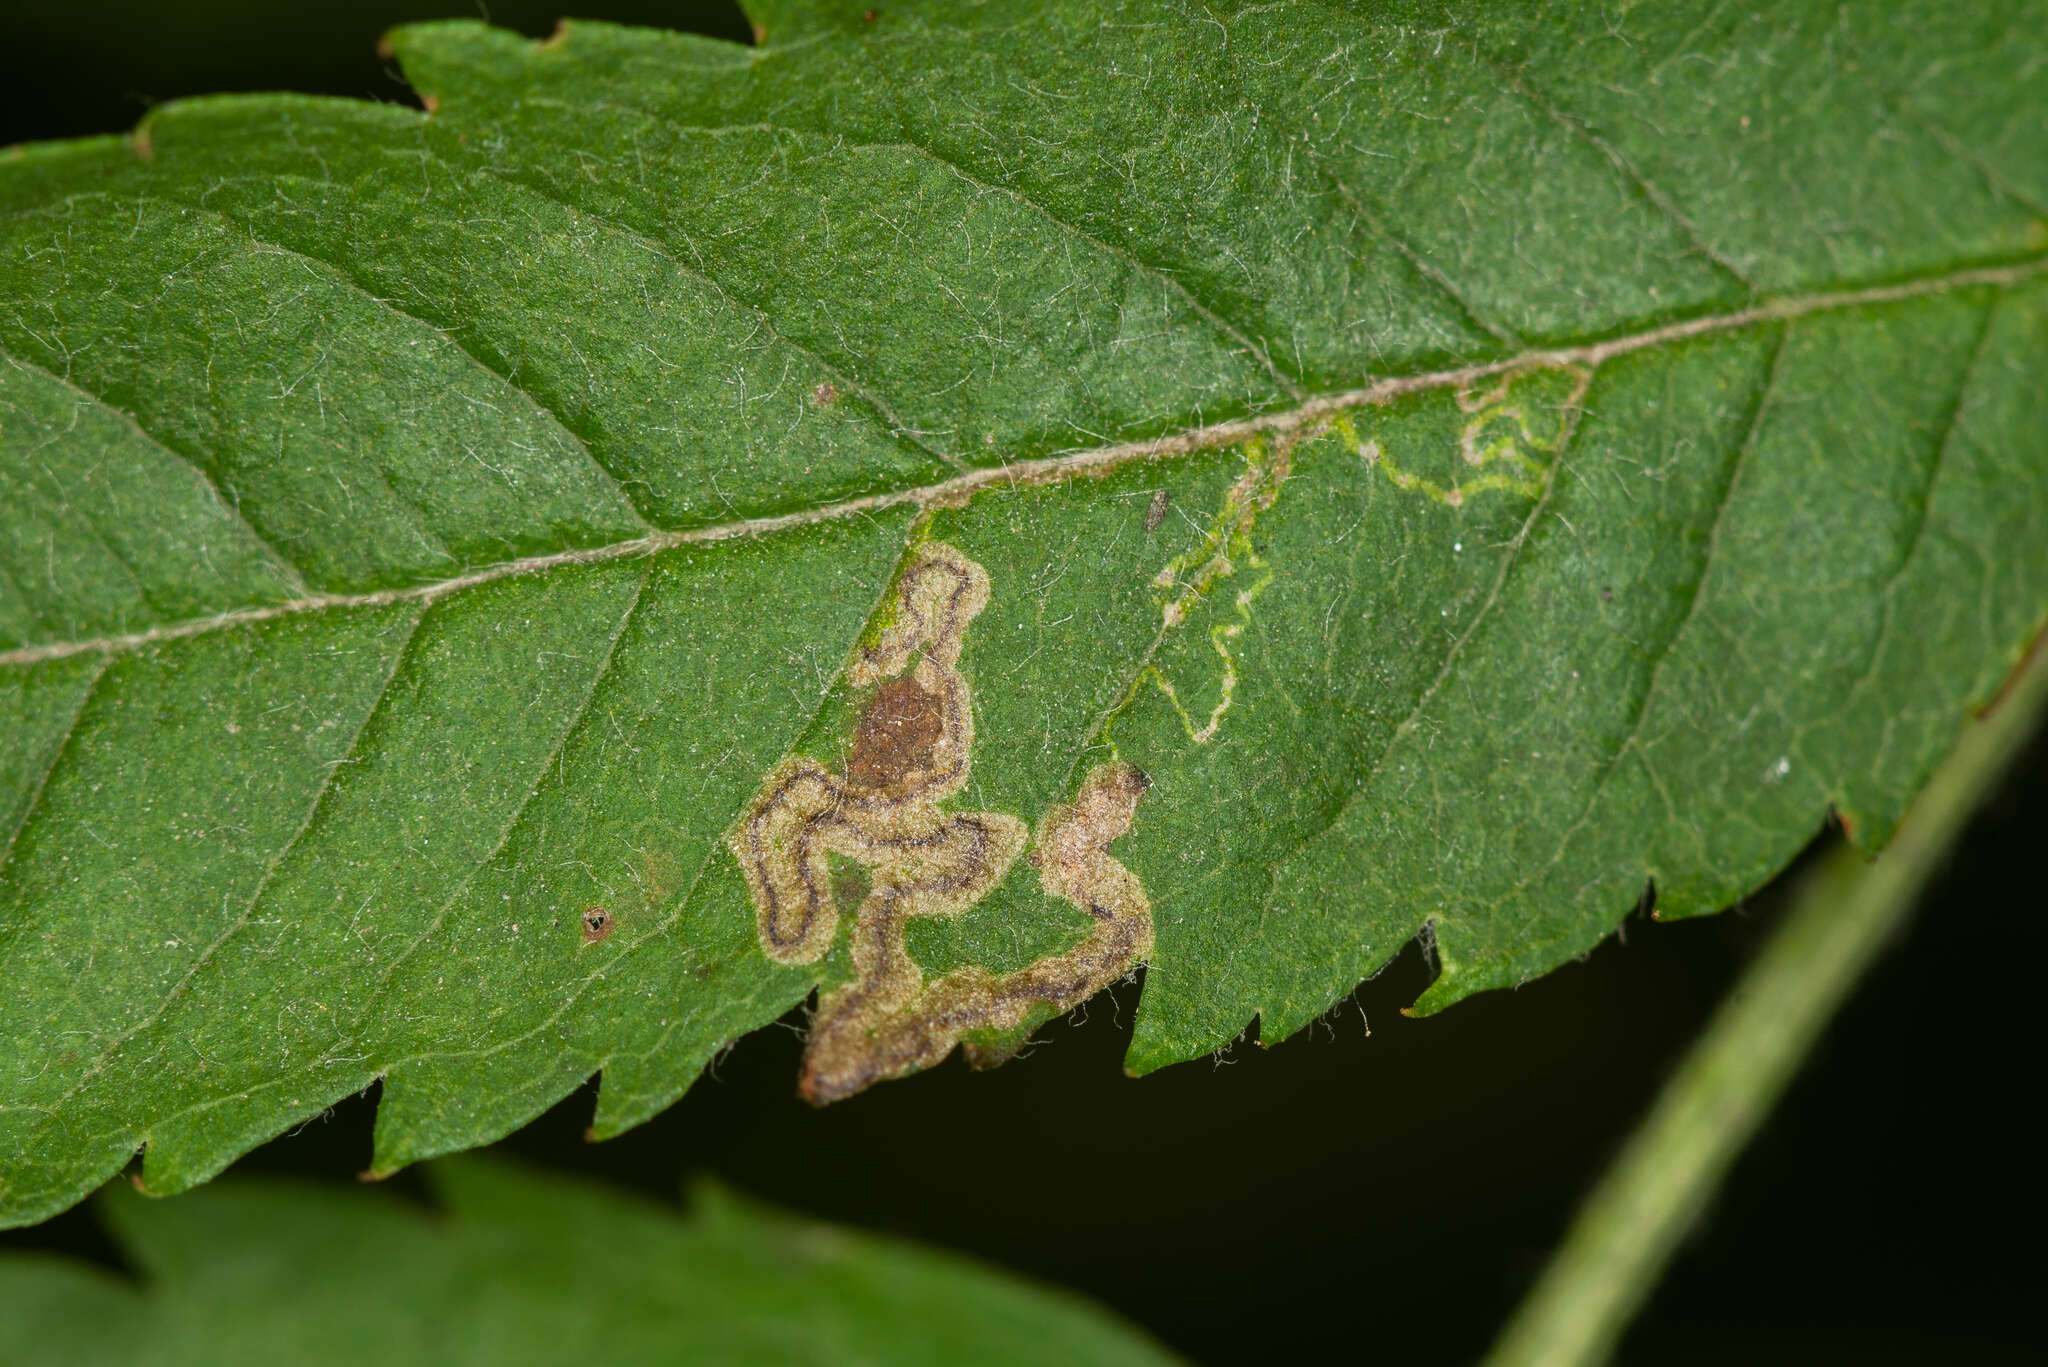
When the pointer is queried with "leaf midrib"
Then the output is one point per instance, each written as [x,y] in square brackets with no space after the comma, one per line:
[1066,465]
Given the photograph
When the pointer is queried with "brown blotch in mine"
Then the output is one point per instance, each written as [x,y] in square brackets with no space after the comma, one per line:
[598,924]
[1156,514]
[896,735]
[825,395]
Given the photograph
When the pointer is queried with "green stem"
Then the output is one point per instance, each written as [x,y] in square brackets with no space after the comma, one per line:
[1843,913]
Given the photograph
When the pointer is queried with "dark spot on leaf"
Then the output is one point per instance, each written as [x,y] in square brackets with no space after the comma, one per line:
[896,734]
[1156,514]
[825,395]
[867,16]
[598,924]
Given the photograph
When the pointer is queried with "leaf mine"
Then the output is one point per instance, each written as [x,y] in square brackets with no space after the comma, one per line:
[1501,447]
[911,749]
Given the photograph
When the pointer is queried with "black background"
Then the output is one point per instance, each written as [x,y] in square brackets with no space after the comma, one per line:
[1337,1195]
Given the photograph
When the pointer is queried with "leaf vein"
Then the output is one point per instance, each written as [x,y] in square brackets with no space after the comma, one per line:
[1923,506]
[287,572]
[343,276]
[1658,199]
[908,144]
[1661,655]
[390,972]
[511,825]
[271,867]
[1509,562]
[57,753]
[892,423]
[1071,464]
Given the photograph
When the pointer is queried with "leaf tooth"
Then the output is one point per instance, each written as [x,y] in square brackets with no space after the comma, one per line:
[632,1091]
[197,1145]
[448,1102]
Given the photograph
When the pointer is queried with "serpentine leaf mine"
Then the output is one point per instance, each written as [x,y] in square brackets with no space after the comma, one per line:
[911,750]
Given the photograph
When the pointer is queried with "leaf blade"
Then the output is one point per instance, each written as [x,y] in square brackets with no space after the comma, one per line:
[1342,632]
[515,1266]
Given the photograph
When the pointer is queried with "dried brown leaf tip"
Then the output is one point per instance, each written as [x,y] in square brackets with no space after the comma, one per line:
[911,749]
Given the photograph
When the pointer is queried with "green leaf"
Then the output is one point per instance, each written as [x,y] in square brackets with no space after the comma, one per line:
[1437,473]
[518,1268]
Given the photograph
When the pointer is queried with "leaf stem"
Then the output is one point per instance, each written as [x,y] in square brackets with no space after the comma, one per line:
[1844,912]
